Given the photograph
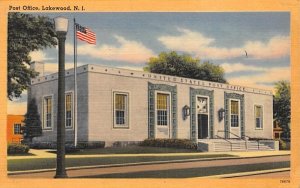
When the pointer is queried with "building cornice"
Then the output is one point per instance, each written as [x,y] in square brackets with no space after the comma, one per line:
[150,76]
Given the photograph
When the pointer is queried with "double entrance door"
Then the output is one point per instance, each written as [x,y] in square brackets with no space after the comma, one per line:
[202,117]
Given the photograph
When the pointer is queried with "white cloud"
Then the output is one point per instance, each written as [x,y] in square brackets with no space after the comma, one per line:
[239,67]
[189,41]
[17,108]
[53,67]
[131,68]
[221,53]
[276,47]
[264,79]
[202,46]
[38,56]
[128,51]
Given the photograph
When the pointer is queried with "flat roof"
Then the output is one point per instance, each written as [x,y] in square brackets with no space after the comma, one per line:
[150,76]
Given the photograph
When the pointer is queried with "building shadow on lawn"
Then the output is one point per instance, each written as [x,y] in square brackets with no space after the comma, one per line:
[21,154]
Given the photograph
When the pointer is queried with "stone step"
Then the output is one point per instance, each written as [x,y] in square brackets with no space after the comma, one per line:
[263,147]
[260,148]
[240,147]
[230,150]
[237,145]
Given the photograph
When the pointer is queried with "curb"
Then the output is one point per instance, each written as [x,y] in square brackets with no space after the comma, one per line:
[250,173]
[135,164]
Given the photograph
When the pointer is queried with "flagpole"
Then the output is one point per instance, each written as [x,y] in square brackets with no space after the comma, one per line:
[75,85]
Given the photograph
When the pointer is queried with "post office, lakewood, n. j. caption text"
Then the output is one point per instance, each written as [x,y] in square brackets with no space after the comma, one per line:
[45,8]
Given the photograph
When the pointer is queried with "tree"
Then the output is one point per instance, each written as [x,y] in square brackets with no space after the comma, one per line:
[185,66]
[26,33]
[32,127]
[282,106]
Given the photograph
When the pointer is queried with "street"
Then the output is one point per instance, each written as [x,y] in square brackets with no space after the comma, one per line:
[173,170]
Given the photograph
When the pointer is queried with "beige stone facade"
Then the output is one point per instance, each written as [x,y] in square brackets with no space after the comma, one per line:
[153,106]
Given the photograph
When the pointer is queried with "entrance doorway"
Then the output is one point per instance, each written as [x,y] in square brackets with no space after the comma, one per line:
[202,117]
[202,126]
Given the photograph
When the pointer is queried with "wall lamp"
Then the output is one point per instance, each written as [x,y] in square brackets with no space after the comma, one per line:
[221,114]
[186,111]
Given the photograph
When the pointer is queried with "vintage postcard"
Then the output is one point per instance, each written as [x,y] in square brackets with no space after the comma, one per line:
[150,93]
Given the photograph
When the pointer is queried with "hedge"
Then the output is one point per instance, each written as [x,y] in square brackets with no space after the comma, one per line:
[172,143]
[284,145]
[69,145]
[91,145]
[14,148]
[257,139]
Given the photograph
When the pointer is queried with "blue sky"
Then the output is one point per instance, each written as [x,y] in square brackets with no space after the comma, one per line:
[127,40]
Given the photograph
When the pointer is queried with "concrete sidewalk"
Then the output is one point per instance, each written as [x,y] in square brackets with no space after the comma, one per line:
[42,153]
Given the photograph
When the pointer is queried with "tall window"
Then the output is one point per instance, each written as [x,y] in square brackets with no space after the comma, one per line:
[258,111]
[17,128]
[47,112]
[121,109]
[234,113]
[69,110]
[162,109]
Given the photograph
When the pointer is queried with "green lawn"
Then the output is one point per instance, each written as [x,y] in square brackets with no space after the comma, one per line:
[46,163]
[196,172]
[129,150]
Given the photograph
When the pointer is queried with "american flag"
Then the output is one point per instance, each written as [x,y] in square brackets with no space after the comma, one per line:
[85,34]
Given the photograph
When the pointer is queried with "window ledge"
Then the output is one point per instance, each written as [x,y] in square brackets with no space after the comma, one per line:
[48,129]
[121,127]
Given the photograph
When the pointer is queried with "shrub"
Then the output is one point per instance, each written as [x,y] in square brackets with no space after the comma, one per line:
[91,145]
[69,145]
[17,148]
[284,145]
[70,148]
[253,138]
[172,143]
[42,145]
